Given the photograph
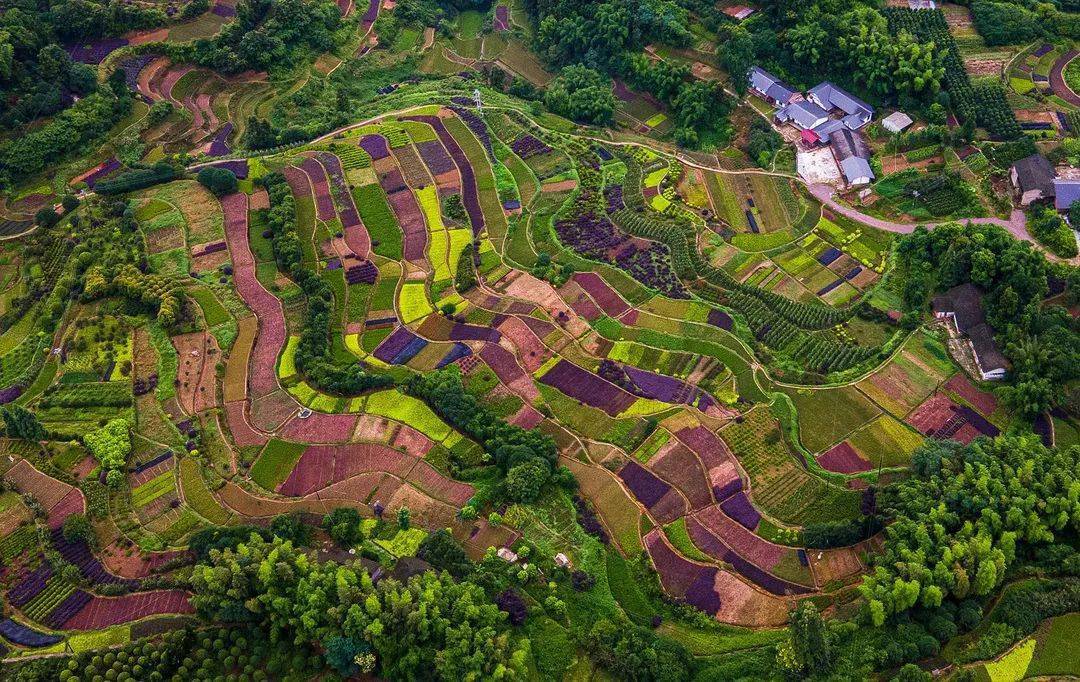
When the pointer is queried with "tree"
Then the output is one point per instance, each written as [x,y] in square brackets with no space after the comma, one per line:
[960,521]
[46,217]
[20,422]
[912,673]
[810,641]
[403,518]
[111,444]
[343,524]
[737,56]
[443,552]
[582,94]
[220,181]
[77,528]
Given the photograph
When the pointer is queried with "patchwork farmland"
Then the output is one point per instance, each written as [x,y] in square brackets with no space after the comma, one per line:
[375,330]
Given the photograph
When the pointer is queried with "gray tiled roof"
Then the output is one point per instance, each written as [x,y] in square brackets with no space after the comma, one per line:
[1065,193]
[838,98]
[826,129]
[763,81]
[805,113]
[855,168]
[1035,172]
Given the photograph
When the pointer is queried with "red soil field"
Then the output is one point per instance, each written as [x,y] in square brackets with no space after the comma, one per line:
[676,464]
[270,411]
[982,401]
[72,503]
[607,298]
[843,459]
[25,478]
[199,354]
[530,349]
[259,200]
[102,612]
[321,428]
[359,458]
[242,432]
[137,479]
[312,472]
[271,335]
[505,366]
[411,441]
[170,80]
[933,414]
[528,417]
[426,478]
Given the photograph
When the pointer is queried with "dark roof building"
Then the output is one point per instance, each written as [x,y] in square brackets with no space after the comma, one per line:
[829,96]
[853,154]
[770,87]
[1033,178]
[963,305]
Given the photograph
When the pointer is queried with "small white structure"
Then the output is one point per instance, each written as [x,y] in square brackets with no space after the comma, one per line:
[507,555]
[921,4]
[896,122]
[562,561]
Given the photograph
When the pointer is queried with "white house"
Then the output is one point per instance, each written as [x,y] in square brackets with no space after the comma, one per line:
[896,122]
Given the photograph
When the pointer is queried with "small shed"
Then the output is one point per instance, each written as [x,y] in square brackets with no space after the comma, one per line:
[507,555]
[562,561]
[896,122]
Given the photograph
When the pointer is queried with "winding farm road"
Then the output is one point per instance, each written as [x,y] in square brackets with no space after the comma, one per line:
[1057,79]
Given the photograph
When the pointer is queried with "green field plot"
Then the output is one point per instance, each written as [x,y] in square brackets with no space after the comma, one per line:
[827,415]
[779,485]
[886,442]
[276,462]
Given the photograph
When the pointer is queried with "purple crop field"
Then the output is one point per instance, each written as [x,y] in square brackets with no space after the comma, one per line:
[225,11]
[645,485]
[478,128]
[394,344]
[113,164]
[659,387]
[435,157]
[718,318]
[376,146]
[738,507]
[79,554]
[17,633]
[702,592]
[393,181]
[238,167]
[651,267]
[471,332]
[67,609]
[614,196]
[10,393]
[470,196]
[588,388]
[365,273]
[97,51]
[132,66]
[529,145]
[502,18]
[677,573]
[31,585]
[708,542]
[219,146]
[372,12]
[456,352]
